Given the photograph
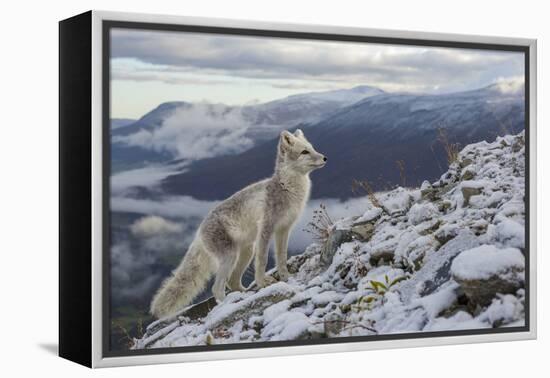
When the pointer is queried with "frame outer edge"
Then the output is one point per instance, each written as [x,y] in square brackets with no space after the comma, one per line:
[97,197]
[97,181]
[533,183]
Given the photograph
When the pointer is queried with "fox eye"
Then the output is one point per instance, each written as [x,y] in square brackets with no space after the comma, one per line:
[305,152]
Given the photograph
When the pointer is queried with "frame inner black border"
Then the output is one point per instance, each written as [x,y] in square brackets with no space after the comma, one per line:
[107,25]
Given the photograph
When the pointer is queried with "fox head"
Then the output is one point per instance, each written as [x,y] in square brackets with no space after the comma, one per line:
[297,154]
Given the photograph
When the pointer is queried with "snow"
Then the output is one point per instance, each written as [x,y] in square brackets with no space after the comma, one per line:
[421,212]
[419,251]
[369,215]
[397,200]
[286,326]
[272,312]
[437,302]
[486,261]
[511,232]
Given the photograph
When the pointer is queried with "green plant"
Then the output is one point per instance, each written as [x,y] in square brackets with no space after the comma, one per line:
[380,289]
[383,287]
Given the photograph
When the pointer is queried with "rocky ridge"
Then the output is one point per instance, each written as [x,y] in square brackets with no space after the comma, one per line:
[446,256]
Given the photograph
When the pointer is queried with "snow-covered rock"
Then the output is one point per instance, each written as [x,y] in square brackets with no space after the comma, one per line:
[486,270]
[447,256]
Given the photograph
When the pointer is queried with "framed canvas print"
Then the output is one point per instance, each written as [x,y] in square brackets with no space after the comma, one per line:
[233,189]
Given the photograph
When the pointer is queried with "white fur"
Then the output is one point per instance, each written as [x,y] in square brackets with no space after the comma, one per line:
[241,227]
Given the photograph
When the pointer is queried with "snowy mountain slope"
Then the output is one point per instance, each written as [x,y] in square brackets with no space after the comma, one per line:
[140,142]
[447,256]
[366,140]
[117,123]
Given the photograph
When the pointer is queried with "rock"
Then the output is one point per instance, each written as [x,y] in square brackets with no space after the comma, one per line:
[334,323]
[468,192]
[444,206]
[364,231]
[335,239]
[421,212]
[437,270]
[468,174]
[295,263]
[370,216]
[396,202]
[446,233]
[381,257]
[428,192]
[465,162]
[518,144]
[430,228]
[485,271]
[425,236]
[191,313]
[253,305]
[482,292]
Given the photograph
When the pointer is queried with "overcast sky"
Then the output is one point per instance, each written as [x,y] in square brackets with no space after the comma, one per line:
[151,67]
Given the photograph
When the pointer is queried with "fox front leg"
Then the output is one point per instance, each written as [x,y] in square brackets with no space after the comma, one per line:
[281,252]
[262,249]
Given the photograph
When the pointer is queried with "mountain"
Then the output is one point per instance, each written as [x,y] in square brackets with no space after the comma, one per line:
[268,119]
[387,139]
[449,256]
[117,123]
[126,156]
[263,121]
[152,119]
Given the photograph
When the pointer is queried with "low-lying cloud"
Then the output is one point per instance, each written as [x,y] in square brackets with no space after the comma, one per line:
[196,132]
[154,225]
[154,243]
[172,207]
[186,208]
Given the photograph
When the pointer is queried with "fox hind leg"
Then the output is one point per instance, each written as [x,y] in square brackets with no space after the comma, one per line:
[243,261]
[226,266]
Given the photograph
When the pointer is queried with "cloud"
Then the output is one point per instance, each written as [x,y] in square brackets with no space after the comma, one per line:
[388,66]
[146,250]
[187,208]
[510,85]
[148,176]
[154,225]
[173,207]
[196,132]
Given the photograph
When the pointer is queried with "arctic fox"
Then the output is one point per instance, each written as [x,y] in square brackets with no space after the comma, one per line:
[241,227]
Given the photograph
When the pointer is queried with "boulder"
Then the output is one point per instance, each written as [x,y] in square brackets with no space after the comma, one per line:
[468,191]
[485,271]
[335,239]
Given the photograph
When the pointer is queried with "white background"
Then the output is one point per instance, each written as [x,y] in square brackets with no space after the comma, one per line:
[29,215]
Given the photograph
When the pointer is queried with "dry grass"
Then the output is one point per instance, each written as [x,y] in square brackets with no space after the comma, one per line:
[320,224]
[127,338]
[365,186]
[401,168]
[451,149]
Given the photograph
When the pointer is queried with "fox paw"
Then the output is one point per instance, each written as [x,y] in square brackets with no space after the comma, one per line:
[236,286]
[283,275]
[265,281]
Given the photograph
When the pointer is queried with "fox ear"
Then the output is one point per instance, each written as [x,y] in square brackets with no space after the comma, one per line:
[299,134]
[286,141]
[287,138]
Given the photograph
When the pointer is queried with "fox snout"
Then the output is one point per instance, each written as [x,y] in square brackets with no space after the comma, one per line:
[320,161]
